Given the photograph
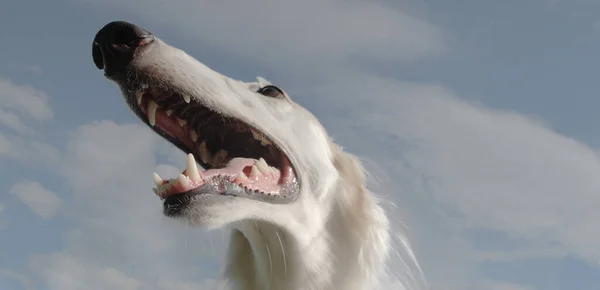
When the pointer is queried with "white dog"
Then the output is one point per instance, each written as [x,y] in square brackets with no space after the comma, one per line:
[300,214]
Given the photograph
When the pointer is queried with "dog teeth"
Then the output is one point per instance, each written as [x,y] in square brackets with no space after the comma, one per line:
[138,97]
[181,122]
[152,107]
[157,180]
[191,169]
[186,98]
[261,164]
[183,181]
[255,172]
[205,155]
[169,113]
[193,135]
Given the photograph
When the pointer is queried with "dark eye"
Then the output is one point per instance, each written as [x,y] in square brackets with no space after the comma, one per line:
[271,91]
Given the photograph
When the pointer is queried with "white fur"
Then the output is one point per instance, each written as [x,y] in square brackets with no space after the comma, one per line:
[334,236]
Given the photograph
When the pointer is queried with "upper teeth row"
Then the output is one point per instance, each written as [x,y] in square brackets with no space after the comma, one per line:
[140,95]
[205,155]
[153,106]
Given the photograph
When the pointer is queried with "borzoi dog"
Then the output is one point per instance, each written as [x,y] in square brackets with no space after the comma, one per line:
[299,212]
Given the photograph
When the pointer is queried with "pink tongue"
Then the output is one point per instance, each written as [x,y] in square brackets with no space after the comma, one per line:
[233,168]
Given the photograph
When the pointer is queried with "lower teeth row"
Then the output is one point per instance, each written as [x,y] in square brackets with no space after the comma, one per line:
[191,177]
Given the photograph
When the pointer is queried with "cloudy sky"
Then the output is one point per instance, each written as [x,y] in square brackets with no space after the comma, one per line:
[477,119]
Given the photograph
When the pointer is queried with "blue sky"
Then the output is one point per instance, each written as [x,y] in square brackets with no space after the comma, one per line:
[479,119]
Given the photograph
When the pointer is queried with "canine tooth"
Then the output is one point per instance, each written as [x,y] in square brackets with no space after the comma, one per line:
[261,164]
[157,180]
[205,155]
[191,169]
[139,96]
[183,181]
[169,113]
[255,172]
[186,98]
[241,175]
[152,107]
[181,122]
[193,135]
[219,157]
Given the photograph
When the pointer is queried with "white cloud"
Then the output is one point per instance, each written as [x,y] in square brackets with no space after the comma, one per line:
[12,121]
[30,151]
[120,230]
[479,167]
[40,200]
[25,281]
[61,271]
[19,106]
[24,99]
[68,272]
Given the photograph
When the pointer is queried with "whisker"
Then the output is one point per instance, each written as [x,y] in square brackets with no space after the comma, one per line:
[283,253]
[270,263]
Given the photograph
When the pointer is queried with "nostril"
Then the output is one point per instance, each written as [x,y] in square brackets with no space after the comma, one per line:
[97,56]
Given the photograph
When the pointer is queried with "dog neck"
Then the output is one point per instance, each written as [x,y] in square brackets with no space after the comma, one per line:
[347,251]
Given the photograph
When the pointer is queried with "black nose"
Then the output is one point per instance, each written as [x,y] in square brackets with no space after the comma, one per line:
[115,45]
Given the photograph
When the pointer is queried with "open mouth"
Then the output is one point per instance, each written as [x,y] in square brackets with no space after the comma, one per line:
[239,159]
